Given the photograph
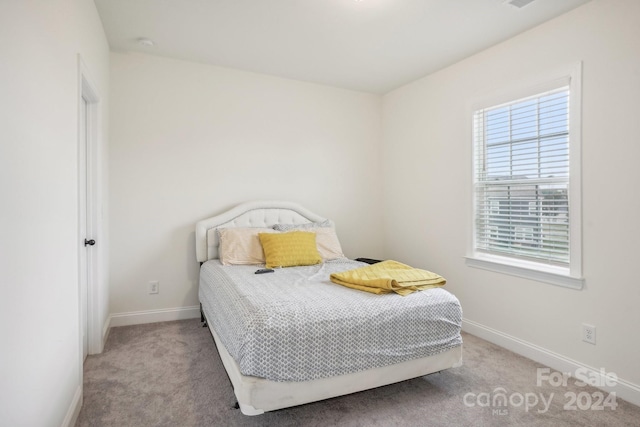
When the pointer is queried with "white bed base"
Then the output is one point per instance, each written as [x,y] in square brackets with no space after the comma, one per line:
[258,395]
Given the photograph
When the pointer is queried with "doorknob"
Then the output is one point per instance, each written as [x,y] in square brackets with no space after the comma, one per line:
[89,242]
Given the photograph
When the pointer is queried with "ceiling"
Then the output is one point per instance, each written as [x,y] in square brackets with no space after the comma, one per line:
[367,45]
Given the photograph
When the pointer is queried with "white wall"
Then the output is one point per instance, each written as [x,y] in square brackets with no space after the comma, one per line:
[40,360]
[189,141]
[427,191]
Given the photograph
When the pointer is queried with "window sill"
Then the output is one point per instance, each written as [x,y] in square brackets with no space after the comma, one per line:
[548,274]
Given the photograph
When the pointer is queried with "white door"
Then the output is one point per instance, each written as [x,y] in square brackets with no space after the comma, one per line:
[84,218]
[89,222]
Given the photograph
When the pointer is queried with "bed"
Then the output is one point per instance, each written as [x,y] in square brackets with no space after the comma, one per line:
[292,336]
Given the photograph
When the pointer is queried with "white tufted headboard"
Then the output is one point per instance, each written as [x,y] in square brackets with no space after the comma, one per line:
[250,214]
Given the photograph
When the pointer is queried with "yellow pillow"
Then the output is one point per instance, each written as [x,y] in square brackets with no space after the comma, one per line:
[289,249]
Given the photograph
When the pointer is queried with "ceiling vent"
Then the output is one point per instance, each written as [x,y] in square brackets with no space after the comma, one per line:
[518,3]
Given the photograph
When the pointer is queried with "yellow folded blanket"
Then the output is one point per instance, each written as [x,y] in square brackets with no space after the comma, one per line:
[388,276]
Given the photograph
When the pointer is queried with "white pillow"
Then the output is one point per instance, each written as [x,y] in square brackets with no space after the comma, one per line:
[241,246]
[328,243]
[304,226]
[326,238]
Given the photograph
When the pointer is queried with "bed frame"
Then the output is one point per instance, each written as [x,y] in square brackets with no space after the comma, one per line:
[258,395]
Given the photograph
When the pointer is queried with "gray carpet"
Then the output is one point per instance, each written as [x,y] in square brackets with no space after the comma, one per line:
[169,374]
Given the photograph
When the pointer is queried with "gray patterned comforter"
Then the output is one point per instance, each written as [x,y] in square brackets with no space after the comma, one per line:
[296,325]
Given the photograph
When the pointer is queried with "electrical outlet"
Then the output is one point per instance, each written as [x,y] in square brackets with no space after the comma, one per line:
[588,333]
[154,287]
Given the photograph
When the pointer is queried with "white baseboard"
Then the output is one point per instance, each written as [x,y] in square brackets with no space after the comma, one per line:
[105,332]
[153,316]
[74,409]
[623,389]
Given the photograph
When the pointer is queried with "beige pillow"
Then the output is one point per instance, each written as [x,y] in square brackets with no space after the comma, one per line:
[241,246]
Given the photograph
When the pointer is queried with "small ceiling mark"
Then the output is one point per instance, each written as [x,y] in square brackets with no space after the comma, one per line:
[519,3]
[143,41]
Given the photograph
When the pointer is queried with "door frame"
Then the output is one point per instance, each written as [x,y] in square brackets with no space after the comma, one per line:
[89,159]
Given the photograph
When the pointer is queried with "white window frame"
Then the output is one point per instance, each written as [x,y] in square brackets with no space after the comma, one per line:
[570,276]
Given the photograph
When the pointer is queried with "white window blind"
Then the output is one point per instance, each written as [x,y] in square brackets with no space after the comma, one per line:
[521,178]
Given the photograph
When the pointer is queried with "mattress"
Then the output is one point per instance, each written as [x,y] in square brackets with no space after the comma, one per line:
[297,325]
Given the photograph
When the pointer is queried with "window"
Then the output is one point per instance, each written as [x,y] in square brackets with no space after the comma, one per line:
[526,215]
